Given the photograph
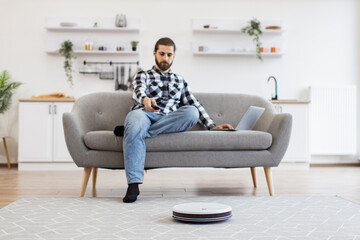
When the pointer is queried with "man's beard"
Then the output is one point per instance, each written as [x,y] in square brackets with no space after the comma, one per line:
[164,66]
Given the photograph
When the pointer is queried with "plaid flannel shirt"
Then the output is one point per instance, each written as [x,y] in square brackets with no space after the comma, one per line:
[170,92]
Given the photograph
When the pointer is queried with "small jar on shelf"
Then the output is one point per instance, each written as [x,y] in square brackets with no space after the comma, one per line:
[89,45]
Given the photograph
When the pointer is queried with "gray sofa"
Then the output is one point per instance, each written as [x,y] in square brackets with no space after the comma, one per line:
[92,143]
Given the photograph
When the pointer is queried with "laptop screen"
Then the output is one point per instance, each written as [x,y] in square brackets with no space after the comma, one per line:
[250,118]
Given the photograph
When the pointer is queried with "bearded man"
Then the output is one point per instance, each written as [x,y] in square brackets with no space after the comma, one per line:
[163,103]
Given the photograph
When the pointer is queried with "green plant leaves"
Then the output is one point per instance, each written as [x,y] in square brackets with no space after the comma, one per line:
[66,50]
[254,29]
[6,90]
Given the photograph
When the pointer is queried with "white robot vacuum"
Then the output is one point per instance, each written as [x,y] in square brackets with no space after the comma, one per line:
[202,212]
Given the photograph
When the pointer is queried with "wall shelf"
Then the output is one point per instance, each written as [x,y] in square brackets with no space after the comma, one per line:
[73,29]
[92,29]
[96,52]
[235,43]
[236,54]
[232,25]
[87,24]
[235,31]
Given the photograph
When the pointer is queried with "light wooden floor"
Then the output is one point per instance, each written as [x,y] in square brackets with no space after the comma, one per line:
[326,181]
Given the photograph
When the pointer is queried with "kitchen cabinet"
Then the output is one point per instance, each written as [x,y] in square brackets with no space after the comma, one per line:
[41,134]
[227,39]
[298,149]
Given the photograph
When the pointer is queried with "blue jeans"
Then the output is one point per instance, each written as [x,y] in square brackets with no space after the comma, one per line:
[141,124]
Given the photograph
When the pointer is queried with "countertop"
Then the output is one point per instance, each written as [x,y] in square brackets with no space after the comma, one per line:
[289,101]
[54,99]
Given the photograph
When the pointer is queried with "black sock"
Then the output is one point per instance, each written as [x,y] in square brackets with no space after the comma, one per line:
[131,193]
[119,130]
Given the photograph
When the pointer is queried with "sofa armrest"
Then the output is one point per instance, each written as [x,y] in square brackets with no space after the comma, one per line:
[280,129]
[74,131]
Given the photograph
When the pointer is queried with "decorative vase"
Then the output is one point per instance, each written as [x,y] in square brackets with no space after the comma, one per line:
[120,20]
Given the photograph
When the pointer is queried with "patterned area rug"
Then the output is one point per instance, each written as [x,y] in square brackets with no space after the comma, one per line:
[151,218]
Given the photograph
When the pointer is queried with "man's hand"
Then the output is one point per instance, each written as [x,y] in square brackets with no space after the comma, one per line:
[147,103]
[223,126]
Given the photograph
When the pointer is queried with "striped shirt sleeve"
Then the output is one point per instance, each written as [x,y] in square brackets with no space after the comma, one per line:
[140,87]
[189,99]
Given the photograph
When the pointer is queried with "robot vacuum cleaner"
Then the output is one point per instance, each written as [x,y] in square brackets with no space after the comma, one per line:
[202,212]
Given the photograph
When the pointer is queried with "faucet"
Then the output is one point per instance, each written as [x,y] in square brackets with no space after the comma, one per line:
[276,97]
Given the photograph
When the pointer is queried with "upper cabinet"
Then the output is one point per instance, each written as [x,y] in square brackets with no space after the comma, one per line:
[93,35]
[224,37]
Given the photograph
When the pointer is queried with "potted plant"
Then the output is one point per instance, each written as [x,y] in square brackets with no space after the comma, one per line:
[134,45]
[254,30]
[66,50]
[6,90]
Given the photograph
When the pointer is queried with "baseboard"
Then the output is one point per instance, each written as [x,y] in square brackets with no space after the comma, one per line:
[56,166]
[293,166]
[328,159]
[13,165]
[335,165]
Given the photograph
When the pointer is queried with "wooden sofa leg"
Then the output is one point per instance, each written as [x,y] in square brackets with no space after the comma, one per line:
[94,174]
[253,174]
[269,180]
[7,153]
[85,180]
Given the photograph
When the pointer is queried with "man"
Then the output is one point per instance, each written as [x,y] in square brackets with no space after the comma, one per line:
[163,103]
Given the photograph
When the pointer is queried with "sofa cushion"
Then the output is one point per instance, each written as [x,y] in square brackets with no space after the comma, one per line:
[186,141]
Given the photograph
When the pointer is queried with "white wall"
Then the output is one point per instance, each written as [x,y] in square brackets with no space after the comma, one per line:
[320,41]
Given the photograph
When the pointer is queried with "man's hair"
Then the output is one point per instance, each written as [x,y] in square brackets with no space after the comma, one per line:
[164,41]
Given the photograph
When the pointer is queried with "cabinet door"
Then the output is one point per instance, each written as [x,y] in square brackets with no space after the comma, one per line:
[61,153]
[35,132]
[298,150]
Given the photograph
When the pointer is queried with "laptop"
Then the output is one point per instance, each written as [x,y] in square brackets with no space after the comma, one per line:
[248,121]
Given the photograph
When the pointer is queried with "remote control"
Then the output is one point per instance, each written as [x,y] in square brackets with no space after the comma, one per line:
[155,107]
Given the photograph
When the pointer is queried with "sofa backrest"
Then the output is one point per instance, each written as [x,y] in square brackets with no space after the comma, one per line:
[105,110]
[230,107]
